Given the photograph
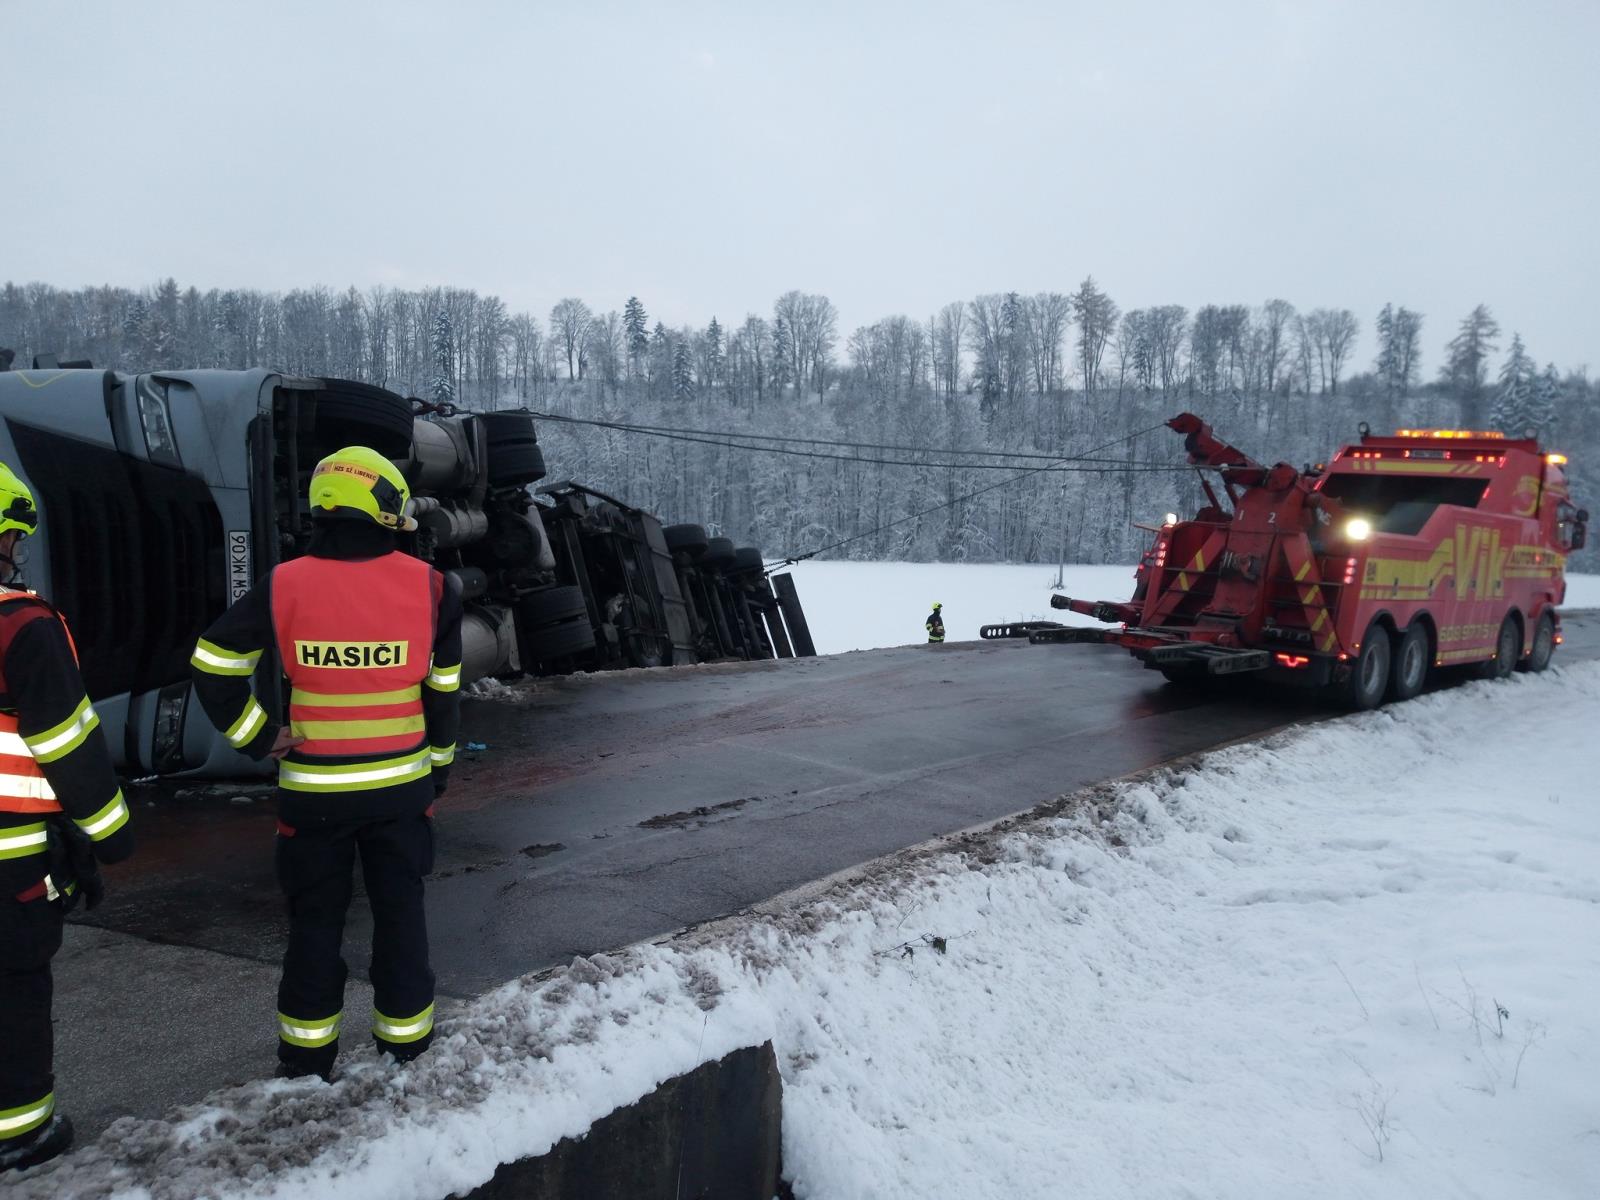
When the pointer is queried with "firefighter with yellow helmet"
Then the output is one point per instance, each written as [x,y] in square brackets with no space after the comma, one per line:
[935,624]
[370,640]
[61,809]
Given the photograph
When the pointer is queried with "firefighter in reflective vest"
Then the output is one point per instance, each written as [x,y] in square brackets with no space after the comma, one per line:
[935,624]
[370,639]
[61,809]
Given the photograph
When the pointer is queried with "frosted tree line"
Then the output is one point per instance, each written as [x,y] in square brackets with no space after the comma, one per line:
[905,415]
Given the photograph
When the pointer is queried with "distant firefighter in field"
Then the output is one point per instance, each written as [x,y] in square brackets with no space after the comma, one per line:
[935,624]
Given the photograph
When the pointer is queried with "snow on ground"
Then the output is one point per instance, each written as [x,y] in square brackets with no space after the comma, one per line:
[1275,971]
[862,606]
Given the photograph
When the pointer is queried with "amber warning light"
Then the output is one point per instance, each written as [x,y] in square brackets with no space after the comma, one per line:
[1448,433]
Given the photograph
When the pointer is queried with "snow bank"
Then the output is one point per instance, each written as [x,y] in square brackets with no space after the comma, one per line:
[1583,591]
[1274,971]
[863,606]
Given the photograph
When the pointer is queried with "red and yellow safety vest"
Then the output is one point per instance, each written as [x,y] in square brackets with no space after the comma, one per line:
[356,639]
[23,787]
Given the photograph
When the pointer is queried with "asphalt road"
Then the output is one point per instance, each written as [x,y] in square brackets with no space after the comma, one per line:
[609,809]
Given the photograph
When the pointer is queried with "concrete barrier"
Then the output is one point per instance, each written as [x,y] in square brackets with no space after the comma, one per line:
[713,1134]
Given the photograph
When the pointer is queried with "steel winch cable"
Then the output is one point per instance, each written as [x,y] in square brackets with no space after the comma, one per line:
[643,427]
[1054,463]
[962,499]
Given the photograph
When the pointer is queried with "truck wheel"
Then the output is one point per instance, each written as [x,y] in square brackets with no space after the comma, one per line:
[690,539]
[1410,668]
[554,604]
[1369,674]
[719,552]
[358,414]
[514,454]
[1544,644]
[1507,649]
[550,642]
[1189,678]
[747,558]
[644,650]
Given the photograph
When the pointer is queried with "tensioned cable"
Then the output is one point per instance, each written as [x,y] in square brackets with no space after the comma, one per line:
[958,500]
[1055,462]
[641,427]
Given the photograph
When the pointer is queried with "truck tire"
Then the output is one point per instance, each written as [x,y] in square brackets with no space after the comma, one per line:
[554,604]
[1507,649]
[1409,671]
[646,650]
[550,642]
[1369,674]
[690,539]
[719,552]
[515,457]
[358,414]
[747,558]
[1190,677]
[1544,644]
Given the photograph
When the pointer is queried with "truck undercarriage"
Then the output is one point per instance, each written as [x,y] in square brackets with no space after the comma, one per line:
[166,496]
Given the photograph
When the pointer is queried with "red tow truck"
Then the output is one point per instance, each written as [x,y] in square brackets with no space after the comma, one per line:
[1427,549]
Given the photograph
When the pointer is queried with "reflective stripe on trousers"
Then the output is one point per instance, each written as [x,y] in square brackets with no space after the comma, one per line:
[25,1118]
[402,1029]
[309,1032]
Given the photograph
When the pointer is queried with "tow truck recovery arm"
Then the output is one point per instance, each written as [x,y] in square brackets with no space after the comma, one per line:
[1225,586]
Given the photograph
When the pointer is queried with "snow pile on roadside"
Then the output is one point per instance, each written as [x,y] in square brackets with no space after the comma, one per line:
[1275,971]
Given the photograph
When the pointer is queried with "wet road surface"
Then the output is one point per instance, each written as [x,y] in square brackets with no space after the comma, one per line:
[612,808]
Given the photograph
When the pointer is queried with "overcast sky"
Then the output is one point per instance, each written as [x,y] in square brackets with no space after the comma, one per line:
[894,157]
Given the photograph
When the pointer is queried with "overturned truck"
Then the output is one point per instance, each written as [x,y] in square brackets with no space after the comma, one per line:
[165,496]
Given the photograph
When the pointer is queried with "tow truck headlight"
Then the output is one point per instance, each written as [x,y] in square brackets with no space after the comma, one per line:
[1357,529]
[1170,519]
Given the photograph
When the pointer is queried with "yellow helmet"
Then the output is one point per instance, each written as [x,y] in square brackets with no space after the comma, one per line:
[936,604]
[17,509]
[360,481]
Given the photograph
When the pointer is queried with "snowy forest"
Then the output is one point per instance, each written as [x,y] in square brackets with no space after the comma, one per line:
[1008,427]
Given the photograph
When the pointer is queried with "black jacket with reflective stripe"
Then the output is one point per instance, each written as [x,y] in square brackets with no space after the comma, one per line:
[40,683]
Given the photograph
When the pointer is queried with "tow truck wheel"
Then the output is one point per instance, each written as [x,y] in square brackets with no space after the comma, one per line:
[1369,674]
[1410,668]
[1507,649]
[1544,644]
[1190,678]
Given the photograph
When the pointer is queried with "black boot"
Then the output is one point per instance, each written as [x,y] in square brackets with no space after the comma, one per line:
[49,1140]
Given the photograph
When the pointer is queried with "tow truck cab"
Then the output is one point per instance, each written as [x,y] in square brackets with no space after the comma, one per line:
[1456,532]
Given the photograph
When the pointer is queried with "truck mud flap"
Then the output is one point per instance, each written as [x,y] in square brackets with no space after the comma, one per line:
[793,615]
[1217,660]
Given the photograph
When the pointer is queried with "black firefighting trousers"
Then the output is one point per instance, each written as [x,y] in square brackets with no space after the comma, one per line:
[30,935]
[315,867]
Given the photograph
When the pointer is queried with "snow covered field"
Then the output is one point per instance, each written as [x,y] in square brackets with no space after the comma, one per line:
[862,606]
[1277,971]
